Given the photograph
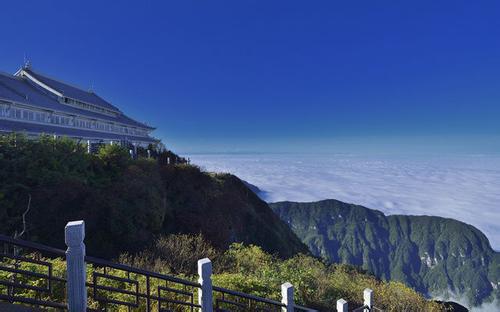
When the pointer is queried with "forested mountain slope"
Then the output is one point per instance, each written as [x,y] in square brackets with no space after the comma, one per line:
[131,205]
[127,203]
[432,254]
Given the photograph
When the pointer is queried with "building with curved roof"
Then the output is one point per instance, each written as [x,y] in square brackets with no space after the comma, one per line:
[35,104]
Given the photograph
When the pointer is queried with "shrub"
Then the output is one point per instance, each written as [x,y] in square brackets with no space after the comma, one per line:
[247,269]
[317,285]
[177,254]
[127,203]
[114,157]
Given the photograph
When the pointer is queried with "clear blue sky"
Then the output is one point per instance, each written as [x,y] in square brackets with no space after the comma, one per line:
[277,75]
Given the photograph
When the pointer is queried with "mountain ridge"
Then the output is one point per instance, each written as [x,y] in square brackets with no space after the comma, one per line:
[434,255]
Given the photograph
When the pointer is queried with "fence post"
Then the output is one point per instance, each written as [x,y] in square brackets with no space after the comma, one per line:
[205,279]
[342,306]
[76,291]
[287,297]
[368,299]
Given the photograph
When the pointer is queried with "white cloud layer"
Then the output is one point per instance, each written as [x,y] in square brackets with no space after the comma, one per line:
[463,187]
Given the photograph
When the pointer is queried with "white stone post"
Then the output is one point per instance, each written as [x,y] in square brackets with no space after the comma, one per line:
[205,279]
[76,292]
[88,146]
[342,306]
[287,297]
[368,299]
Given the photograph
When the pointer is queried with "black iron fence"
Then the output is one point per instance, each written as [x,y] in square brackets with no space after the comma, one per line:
[230,300]
[302,309]
[29,274]
[366,308]
[36,275]
[113,286]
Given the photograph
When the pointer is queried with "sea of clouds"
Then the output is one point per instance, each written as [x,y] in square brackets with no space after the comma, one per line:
[463,187]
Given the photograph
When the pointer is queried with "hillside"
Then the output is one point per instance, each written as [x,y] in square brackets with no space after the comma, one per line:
[127,203]
[431,254]
[134,208]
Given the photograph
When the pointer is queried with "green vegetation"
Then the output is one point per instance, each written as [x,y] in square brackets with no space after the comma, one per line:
[245,268]
[430,254]
[127,203]
[317,284]
[132,208]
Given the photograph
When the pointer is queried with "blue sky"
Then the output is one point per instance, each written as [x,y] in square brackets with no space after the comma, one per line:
[278,76]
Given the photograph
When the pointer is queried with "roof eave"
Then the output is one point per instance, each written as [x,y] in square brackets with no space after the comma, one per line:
[24,73]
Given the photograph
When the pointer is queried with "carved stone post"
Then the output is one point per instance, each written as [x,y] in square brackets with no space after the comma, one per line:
[342,306]
[76,291]
[368,299]
[287,297]
[205,279]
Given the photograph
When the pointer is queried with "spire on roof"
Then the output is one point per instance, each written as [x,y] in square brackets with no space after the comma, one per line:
[27,62]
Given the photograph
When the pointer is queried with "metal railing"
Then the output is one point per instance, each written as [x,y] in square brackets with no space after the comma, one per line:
[27,274]
[298,308]
[56,280]
[363,308]
[115,285]
[230,300]
[366,308]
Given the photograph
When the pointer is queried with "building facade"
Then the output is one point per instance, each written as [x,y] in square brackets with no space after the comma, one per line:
[35,104]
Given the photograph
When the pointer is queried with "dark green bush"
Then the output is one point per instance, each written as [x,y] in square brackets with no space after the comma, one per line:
[127,203]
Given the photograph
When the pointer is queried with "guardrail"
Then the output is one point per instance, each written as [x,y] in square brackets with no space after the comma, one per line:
[303,309]
[230,300]
[368,306]
[28,276]
[139,288]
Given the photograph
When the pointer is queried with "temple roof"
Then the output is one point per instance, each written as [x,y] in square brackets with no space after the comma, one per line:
[21,90]
[70,91]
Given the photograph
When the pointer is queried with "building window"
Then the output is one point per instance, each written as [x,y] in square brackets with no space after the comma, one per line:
[9,111]
[89,107]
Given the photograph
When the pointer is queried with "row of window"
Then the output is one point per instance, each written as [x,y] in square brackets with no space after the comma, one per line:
[9,111]
[89,107]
